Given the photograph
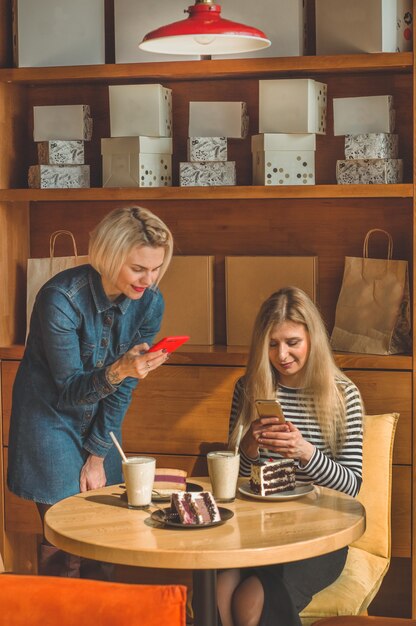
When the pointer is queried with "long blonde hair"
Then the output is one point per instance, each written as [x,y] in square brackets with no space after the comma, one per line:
[321,376]
[119,232]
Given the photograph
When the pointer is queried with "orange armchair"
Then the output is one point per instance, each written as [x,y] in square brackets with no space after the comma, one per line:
[47,601]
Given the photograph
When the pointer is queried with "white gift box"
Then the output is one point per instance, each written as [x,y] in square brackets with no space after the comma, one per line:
[58,152]
[218,119]
[369,171]
[207,149]
[363,26]
[58,176]
[283,141]
[284,167]
[368,114]
[58,32]
[372,146]
[65,121]
[137,161]
[283,21]
[207,174]
[292,105]
[140,110]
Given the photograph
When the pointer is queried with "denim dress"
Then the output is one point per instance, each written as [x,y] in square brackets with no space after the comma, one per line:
[63,406]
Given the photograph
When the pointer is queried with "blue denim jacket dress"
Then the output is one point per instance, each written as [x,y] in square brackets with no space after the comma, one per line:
[63,406]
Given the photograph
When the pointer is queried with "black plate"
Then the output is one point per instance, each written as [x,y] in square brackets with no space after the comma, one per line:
[159,516]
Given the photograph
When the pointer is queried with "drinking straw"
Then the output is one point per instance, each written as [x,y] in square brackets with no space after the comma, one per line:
[117,445]
[237,443]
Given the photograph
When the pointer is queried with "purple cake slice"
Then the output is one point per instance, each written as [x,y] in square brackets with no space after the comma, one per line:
[268,477]
[195,508]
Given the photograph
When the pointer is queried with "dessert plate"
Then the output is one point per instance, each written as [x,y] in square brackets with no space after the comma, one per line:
[299,491]
[165,497]
[161,516]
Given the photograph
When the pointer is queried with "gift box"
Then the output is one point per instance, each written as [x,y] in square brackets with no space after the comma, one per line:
[260,276]
[207,149]
[189,311]
[140,110]
[218,119]
[58,176]
[360,26]
[283,141]
[368,114]
[372,146]
[62,122]
[207,173]
[58,32]
[137,161]
[61,152]
[369,171]
[284,167]
[292,105]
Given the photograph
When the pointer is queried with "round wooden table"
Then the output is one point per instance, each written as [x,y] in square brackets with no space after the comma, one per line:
[98,525]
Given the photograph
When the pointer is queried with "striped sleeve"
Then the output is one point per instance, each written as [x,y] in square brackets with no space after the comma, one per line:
[345,472]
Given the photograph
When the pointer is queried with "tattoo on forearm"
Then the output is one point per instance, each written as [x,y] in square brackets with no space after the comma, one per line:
[112,377]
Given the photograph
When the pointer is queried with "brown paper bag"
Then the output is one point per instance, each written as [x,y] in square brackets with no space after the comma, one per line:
[39,271]
[373,310]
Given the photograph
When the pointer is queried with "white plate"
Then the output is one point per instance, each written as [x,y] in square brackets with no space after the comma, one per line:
[297,492]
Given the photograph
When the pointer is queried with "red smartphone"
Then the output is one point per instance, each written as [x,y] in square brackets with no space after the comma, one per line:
[169,343]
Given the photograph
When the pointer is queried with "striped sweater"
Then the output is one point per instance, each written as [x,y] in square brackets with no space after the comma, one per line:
[343,473]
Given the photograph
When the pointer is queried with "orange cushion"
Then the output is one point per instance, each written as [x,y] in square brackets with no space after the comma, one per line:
[48,601]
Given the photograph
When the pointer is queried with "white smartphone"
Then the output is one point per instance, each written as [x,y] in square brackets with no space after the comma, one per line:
[270,408]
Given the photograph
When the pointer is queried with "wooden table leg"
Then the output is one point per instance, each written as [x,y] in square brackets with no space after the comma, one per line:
[204,599]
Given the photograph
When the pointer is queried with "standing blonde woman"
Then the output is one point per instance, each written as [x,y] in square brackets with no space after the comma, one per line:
[290,359]
[90,331]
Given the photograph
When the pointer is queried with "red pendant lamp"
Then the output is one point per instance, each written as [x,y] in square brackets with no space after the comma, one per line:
[204,33]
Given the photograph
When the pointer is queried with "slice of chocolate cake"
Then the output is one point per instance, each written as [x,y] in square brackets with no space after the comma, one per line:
[195,508]
[273,476]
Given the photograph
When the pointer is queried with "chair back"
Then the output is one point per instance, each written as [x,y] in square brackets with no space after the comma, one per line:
[47,601]
[375,492]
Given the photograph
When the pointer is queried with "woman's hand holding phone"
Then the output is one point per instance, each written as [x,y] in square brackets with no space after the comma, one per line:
[136,363]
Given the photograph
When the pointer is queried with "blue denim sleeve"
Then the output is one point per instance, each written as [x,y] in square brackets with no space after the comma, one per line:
[112,408]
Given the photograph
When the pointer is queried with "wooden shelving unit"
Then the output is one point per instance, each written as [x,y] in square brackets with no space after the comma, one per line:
[326,220]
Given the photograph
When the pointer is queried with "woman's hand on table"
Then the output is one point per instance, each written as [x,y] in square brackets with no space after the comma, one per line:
[287,440]
[92,474]
[137,363]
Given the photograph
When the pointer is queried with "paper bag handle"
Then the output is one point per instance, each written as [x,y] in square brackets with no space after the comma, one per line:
[367,239]
[55,236]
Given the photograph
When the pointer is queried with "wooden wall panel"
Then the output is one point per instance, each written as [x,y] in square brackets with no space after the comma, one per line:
[394,598]
[8,374]
[401,511]
[389,392]
[182,410]
[233,227]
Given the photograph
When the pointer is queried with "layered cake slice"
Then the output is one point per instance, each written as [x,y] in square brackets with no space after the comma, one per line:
[168,480]
[268,477]
[195,508]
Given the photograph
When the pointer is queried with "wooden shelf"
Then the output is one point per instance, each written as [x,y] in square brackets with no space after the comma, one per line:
[236,356]
[214,69]
[200,193]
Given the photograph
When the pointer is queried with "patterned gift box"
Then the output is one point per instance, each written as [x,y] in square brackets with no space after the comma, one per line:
[58,176]
[372,146]
[207,149]
[62,122]
[369,171]
[140,110]
[218,119]
[61,152]
[207,174]
[137,161]
[292,105]
[368,114]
